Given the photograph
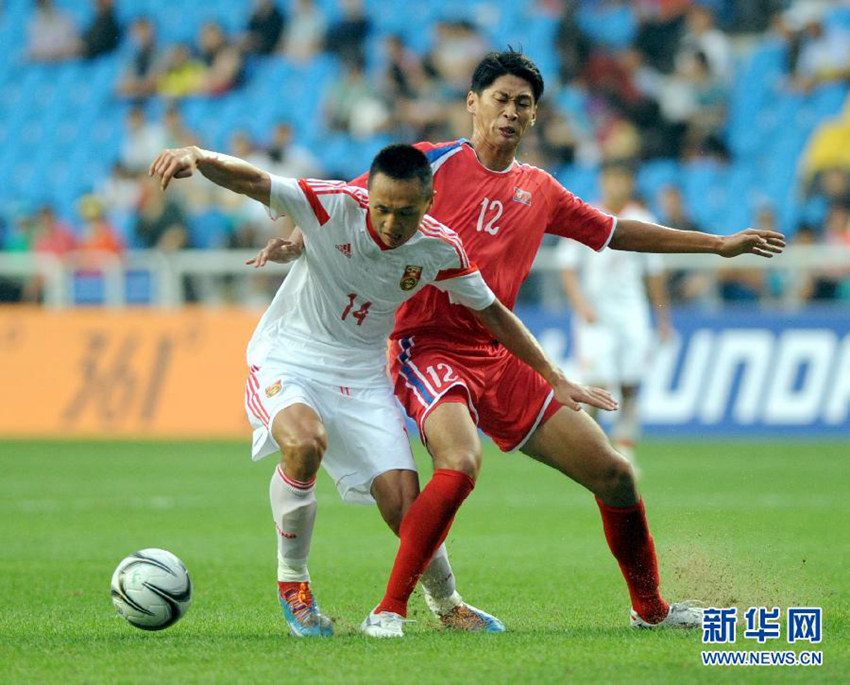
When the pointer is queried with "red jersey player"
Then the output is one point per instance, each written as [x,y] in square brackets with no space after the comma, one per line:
[450,376]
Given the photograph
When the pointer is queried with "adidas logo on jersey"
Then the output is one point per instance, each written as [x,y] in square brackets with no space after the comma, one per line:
[345,249]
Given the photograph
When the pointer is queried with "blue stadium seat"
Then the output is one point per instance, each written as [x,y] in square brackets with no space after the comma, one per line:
[612,25]
[210,229]
[581,180]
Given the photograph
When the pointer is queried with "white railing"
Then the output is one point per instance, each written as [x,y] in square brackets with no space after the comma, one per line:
[167,271]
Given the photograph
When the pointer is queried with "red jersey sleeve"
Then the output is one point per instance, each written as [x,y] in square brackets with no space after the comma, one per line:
[571,217]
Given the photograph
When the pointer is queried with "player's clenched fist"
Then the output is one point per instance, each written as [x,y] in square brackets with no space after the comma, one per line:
[277,250]
[175,163]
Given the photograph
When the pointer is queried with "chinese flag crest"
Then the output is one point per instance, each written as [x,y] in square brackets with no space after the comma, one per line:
[411,277]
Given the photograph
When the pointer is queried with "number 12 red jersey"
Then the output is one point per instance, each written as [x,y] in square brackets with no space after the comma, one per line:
[501,218]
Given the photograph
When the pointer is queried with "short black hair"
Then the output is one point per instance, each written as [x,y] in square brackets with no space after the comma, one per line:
[510,61]
[403,163]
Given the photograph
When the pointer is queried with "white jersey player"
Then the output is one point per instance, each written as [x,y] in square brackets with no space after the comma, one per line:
[318,390]
[613,335]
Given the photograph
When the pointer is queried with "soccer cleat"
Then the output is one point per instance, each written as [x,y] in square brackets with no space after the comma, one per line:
[384,624]
[456,614]
[685,614]
[302,613]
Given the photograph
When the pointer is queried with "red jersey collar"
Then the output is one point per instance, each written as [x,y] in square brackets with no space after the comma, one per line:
[504,171]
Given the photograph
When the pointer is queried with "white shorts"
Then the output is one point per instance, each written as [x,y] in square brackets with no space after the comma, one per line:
[366,431]
[613,353]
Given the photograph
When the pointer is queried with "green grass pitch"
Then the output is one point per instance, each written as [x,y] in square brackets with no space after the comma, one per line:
[744,524]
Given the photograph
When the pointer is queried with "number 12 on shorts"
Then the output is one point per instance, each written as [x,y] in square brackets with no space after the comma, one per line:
[359,314]
[442,374]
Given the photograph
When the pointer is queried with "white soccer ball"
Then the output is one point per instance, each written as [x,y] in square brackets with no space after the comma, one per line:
[151,589]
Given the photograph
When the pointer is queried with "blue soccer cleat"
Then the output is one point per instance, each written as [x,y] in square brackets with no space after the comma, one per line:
[302,613]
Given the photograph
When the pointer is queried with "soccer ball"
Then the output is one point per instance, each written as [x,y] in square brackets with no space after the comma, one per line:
[151,589]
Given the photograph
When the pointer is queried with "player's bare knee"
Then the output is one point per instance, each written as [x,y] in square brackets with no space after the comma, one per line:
[303,451]
[617,484]
[466,461]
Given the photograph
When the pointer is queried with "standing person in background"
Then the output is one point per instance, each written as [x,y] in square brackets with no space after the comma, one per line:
[612,319]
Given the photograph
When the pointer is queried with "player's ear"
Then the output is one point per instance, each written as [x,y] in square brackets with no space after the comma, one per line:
[429,200]
[471,101]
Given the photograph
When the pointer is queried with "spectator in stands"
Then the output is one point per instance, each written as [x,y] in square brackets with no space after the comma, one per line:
[177,133]
[572,46]
[45,234]
[119,192]
[554,137]
[104,34]
[140,77]
[828,283]
[223,60]
[747,285]
[51,35]
[346,37]
[683,286]
[458,48]
[161,223]
[705,131]
[829,147]
[98,235]
[702,36]
[288,158]
[818,54]
[403,75]
[352,104]
[141,141]
[661,27]
[305,34]
[51,234]
[693,102]
[182,74]
[265,27]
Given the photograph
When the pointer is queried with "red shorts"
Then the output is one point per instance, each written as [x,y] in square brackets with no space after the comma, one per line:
[507,399]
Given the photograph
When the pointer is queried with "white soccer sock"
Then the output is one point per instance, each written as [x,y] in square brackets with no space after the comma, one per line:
[294,512]
[438,580]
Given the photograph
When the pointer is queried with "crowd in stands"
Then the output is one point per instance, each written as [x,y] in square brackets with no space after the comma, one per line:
[639,81]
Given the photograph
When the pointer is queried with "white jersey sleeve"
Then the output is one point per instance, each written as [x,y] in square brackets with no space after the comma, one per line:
[467,288]
[302,200]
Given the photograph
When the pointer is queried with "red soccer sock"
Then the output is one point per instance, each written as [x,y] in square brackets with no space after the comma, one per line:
[423,530]
[631,544]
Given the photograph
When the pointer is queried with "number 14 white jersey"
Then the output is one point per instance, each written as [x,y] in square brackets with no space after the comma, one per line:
[333,313]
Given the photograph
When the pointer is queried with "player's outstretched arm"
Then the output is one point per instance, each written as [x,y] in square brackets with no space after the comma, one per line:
[229,172]
[642,236]
[517,339]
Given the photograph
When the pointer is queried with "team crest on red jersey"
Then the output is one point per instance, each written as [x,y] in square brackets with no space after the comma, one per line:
[522,196]
[274,389]
[411,277]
